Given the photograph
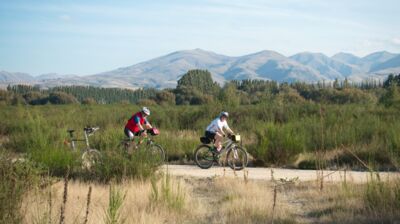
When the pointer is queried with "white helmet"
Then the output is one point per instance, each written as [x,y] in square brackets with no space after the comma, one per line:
[146,111]
[224,113]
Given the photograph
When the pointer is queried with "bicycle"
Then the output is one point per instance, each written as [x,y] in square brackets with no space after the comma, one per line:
[236,156]
[147,144]
[90,156]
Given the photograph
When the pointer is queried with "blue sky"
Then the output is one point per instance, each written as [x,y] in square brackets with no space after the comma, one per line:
[87,37]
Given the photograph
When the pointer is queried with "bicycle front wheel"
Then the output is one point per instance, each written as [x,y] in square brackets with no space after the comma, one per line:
[203,156]
[237,158]
[90,158]
[157,153]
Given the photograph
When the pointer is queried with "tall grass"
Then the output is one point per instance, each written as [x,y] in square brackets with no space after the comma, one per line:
[273,133]
[168,193]
[382,199]
[16,178]
[115,202]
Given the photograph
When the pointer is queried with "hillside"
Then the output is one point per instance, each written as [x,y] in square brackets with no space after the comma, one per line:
[164,71]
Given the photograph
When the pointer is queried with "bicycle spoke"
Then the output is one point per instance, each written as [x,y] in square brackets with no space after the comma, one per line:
[204,157]
[237,158]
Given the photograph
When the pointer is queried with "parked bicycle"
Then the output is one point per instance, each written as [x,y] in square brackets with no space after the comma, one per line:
[90,156]
[147,144]
[236,156]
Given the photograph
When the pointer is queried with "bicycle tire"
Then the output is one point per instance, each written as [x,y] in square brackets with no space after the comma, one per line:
[203,156]
[90,158]
[240,162]
[157,152]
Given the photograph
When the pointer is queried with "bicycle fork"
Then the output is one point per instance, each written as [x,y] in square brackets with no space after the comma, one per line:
[235,153]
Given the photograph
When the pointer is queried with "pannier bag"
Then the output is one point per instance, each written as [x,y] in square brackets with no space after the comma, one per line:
[154,131]
[205,140]
[235,138]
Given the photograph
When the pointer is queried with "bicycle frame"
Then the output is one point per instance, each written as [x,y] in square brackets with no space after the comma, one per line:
[227,144]
[140,140]
[86,140]
[137,139]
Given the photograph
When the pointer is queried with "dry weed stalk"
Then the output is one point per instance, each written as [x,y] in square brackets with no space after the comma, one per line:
[272,175]
[50,204]
[274,204]
[88,200]
[363,163]
[246,176]
[320,155]
[65,196]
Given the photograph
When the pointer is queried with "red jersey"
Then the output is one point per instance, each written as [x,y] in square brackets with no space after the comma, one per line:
[136,119]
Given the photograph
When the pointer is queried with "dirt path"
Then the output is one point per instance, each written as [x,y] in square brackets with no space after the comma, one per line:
[278,173]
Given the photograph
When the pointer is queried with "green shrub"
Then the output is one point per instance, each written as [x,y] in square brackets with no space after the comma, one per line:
[168,193]
[115,202]
[383,198]
[16,178]
[117,165]
[61,98]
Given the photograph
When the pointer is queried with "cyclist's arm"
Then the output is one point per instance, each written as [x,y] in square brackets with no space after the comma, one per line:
[137,121]
[147,123]
[221,131]
[229,130]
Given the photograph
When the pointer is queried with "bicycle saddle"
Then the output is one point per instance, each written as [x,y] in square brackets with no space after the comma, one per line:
[88,129]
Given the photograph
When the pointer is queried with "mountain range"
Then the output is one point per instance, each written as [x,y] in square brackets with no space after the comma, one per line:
[164,71]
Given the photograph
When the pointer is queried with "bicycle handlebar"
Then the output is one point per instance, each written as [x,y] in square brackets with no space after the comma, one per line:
[91,129]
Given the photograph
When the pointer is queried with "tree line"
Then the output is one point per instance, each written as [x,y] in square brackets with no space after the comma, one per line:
[197,87]
[25,94]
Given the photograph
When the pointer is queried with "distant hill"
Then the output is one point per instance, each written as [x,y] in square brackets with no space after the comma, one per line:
[328,67]
[347,58]
[15,77]
[164,71]
[270,65]
[390,66]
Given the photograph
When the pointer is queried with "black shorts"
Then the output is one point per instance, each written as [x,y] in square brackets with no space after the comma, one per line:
[126,131]
[210,135]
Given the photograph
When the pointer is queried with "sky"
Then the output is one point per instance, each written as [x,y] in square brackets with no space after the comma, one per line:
[92,36]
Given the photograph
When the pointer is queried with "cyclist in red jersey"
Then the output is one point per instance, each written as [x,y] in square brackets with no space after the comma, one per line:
[137,124]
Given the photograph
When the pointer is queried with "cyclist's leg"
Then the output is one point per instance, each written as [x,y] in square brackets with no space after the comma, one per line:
[210,135]
[218,141]
[142,135]
[129,133]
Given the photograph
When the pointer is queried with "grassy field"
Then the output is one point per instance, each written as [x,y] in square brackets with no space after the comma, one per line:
[34,158]
[293,135]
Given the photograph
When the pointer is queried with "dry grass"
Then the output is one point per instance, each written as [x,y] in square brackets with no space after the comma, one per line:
[136,207]
[250,202]
[371,202]
[224,200]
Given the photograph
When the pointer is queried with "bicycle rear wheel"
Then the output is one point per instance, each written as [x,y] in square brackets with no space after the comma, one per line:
[157,153]
[237,158]
[204,157]
[90,158]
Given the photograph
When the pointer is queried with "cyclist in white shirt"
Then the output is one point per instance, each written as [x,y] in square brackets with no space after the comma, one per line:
[216,130]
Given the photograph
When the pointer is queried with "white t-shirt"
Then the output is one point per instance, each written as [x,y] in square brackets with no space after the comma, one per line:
[217,124]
